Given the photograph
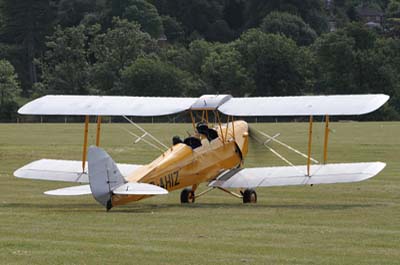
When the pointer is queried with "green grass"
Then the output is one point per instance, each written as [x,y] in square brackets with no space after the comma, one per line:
[356,223]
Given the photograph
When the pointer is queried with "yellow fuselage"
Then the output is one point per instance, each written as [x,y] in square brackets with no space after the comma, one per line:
[181,166]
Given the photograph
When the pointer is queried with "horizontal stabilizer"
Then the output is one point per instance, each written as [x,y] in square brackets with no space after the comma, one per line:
[134,188]
[62,170]
[70,191]
[285,176]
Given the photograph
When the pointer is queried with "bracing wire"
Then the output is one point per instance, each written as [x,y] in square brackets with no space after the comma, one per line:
[146,132]
[141,138]
[286,145]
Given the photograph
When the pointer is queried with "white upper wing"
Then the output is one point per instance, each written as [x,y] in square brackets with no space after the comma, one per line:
[62,170]
[106,105]
[285,176]
[304,105]
[157,106]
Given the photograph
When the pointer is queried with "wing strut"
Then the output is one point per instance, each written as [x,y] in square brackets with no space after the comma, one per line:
[326,139]
[98,131]
[220,127]
[85,142]
[309,145]
[193,121]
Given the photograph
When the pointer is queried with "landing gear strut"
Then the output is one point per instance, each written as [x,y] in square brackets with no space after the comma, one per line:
[249,196]
[187,196]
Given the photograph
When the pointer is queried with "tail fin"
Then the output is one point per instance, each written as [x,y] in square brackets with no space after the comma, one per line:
[104,176]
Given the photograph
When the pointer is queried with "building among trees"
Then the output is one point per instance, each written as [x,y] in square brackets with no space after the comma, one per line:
[370,16]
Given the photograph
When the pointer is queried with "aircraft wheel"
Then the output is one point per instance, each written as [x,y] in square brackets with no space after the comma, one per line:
[187,196]
[249,196]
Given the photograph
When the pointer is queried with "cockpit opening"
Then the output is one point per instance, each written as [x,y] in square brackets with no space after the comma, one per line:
[203,128]
[193,142]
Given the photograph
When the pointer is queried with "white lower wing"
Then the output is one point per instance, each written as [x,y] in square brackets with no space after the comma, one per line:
[70,191]
[131,188]
[285,176]
[62,170]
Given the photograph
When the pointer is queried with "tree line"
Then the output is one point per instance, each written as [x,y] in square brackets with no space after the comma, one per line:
[195,47]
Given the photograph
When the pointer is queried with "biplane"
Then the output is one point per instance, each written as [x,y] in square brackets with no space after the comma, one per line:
[214,153]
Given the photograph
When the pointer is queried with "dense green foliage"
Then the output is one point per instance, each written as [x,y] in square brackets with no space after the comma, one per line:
[9,89]
[289,25]
[193,47]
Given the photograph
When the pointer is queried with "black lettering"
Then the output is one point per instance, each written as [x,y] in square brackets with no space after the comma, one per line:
[162,183]
[176,178]
[168,182]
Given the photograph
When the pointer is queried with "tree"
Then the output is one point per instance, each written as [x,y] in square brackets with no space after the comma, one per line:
[334,55]
[393,8]
[116,49]
[65,65]
[291,26]
[348,61]
[198,50]
[26,23]
[149,76]
[364,38]
[387,59]
[275,62]
[311,11]
[224,73]
[80,60]
[141,12]
[72,12]
[392,21]
[9,90]
[352,61]
[177,55]
[195,15]
[233,13]
[173,29]
[219,31]
[9,87]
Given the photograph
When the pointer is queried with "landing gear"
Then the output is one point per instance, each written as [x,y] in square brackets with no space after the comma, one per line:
[249,196]
[187,196]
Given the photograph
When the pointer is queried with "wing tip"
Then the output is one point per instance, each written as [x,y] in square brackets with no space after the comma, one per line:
[70,191]
[378,101]
[376,168]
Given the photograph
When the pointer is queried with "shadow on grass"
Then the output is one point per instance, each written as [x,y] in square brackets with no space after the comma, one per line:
[62,207]
[161,207]
[148,208]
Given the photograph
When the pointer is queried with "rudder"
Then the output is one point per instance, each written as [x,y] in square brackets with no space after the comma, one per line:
[104,176]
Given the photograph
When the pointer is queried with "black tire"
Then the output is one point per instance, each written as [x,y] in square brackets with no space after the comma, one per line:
[187,196]
[249,196]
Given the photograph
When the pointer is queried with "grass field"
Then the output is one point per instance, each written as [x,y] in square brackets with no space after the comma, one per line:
[356,223]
